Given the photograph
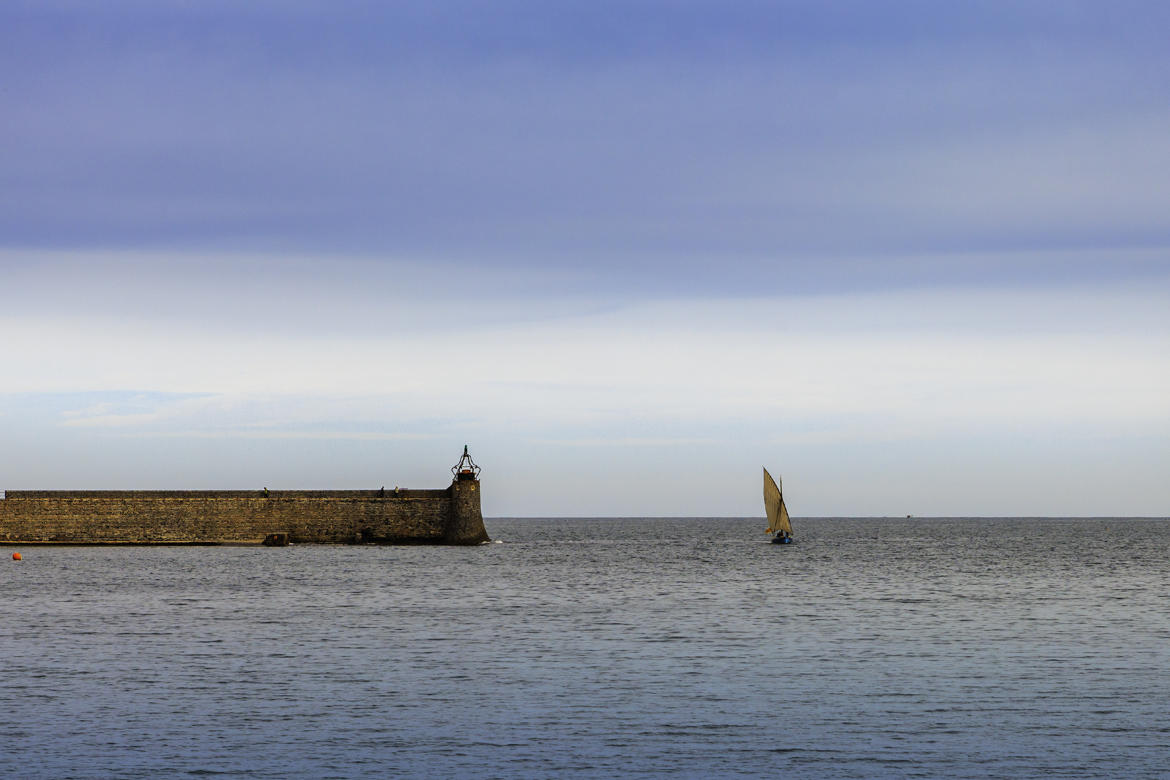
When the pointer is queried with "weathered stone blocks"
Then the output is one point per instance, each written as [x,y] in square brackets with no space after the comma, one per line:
[450,516]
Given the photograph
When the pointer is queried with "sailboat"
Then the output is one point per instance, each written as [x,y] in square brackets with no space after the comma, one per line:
[778,522]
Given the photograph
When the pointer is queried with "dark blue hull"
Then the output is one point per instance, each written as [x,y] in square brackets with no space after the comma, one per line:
[782,540]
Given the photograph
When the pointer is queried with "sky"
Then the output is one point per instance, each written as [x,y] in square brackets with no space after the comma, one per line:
[913,257]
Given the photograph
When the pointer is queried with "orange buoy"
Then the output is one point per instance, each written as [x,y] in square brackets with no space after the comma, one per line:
[16,556]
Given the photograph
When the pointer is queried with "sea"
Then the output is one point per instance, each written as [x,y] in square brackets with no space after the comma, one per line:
[581,648]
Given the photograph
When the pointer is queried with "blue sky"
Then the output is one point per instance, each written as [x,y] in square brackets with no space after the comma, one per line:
[913,256]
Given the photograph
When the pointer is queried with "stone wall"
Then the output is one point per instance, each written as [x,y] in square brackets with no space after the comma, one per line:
[450,516]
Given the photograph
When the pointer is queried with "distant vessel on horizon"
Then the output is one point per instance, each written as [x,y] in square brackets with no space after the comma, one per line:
[778,521]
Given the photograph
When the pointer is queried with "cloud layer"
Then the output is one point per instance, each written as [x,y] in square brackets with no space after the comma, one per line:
[856,384]
[915,256]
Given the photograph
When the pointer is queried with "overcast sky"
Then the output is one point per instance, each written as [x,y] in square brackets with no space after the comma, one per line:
[912,256]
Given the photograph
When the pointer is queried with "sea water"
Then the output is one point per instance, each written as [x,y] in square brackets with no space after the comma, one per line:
[601,648]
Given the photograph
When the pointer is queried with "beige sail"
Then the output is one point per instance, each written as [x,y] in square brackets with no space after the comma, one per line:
[774,506]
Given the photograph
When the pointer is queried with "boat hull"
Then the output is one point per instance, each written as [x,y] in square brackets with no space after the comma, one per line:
[782,540]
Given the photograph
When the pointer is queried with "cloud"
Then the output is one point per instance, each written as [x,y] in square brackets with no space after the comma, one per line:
[628,441]
[685,237]
[245,434]
[765,141]
[924,359]
[869,403]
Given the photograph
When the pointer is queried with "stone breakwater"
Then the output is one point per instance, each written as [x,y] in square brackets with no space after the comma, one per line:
[400,516]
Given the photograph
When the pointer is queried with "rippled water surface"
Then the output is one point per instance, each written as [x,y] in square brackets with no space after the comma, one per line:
[871,648]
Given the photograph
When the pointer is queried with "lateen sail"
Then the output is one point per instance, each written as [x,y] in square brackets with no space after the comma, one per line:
[774,505]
